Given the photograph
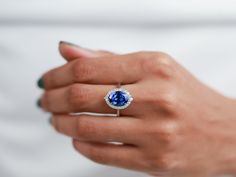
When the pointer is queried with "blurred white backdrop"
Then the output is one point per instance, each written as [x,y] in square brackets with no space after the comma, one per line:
[200,34]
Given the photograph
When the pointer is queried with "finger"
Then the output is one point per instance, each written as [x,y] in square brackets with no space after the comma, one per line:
[84,98]
[71,51]
[124,156]
[124,69]
[98,128]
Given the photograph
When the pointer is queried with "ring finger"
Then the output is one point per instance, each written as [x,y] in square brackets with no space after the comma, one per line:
[84,98]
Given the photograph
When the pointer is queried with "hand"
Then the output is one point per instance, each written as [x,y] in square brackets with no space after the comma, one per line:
[175,126]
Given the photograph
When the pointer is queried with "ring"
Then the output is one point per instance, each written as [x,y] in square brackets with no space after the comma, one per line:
[118,99]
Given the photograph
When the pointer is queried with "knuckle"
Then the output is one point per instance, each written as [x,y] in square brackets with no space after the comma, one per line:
[169,134]
[165,163]
[81,71]
[158,64]
[142,55]
[166,133]
[167,101]
[163,57]
[77,97]
[143,58]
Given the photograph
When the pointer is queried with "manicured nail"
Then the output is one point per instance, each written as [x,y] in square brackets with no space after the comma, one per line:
[39,103]
[40,83]
[68,43]
[50,120]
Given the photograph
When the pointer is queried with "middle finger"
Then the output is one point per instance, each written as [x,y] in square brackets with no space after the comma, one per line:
[103,70]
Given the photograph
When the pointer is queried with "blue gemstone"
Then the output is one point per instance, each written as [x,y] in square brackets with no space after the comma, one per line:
[118,98]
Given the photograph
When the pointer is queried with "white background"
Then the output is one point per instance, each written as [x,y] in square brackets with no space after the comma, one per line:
[199,34]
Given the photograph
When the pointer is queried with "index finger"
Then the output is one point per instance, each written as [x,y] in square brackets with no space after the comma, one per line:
[124,69]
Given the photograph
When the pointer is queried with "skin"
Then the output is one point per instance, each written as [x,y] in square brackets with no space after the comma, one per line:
[175,126]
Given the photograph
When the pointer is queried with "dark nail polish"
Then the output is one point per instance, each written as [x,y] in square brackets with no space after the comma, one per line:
[68,43]
[50,120]
[40,83]
[39,103]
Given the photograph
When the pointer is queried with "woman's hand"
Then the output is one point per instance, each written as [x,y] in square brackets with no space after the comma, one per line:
[175,126]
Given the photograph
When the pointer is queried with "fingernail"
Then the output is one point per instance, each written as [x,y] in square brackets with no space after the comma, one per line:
[68,43]
[50,120]
[39,103]
[40,83]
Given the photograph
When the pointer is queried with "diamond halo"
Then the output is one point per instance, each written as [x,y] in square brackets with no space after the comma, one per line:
[114,93]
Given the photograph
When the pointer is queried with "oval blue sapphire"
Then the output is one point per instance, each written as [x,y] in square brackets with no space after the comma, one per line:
[118,98]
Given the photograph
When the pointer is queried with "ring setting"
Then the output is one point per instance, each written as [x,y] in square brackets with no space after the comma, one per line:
[118,98]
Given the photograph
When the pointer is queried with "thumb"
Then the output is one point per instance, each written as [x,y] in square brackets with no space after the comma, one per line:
[71,51]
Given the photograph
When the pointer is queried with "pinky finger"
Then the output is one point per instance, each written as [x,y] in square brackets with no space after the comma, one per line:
[124,156]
